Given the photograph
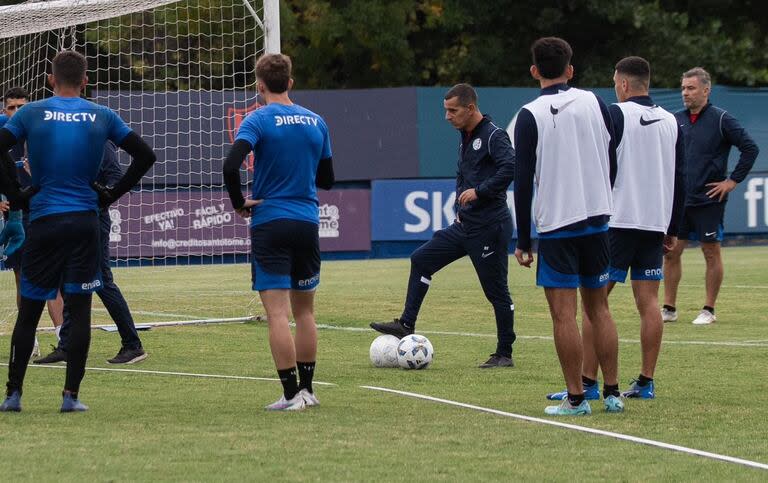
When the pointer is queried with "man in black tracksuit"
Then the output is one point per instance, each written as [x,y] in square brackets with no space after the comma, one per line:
[483,226]
[708,133]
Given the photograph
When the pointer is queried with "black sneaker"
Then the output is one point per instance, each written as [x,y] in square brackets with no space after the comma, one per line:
[57,355]
[395,328]
[128,356]
[497,360]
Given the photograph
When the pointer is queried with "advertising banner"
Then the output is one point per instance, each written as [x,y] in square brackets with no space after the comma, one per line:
[747,208]
[374,132]
[414,209]
[197,223]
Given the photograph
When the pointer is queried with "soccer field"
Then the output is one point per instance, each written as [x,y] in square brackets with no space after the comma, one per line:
[164,424]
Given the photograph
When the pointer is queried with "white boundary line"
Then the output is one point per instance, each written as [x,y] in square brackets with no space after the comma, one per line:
[233,320]
[584,429]
[747,343]
[155,314]
[170,373]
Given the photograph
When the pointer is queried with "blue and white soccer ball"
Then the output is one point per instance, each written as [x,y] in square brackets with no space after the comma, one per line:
[383,351]
[414,352]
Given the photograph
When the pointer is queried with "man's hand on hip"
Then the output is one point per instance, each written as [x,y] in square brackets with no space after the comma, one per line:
[719,190]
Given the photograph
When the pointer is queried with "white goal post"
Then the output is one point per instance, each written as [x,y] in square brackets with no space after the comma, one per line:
[182,75]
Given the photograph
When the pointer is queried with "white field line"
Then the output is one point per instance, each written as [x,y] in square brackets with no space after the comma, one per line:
[726,343]
[157,314]
[583,429]
[170,373]
[233,320]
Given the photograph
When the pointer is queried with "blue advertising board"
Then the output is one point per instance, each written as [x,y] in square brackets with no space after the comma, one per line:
[747,208]
[403,210]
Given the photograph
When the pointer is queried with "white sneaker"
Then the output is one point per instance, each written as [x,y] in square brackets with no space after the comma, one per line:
[309,398]
[294,404]
[705,317]
[36,349]
[668,315]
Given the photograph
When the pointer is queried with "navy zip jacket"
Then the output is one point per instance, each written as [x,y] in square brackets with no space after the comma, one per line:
[708,142]
[487,164]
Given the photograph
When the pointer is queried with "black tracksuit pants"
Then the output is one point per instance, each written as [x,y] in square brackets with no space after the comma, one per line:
[487,248]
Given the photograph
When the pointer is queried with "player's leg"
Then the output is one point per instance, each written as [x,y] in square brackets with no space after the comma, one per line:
[624,245]
[673,268]
[82,276]
[562,308]
[271,251]
[713,280]
[646,277]
[305,278]
[591,364]
[43,262]
[22,342]
[445,247]
[594,276]
[557,270]
[303,308]
[79,306]
[489,254]
[131,350]
[710,232]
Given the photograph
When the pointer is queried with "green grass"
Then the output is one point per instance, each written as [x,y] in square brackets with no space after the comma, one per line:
[144,427]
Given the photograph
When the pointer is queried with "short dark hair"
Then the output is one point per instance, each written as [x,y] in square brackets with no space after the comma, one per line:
[701,74]
[16,93]
[637,68]
[465,92]
[274,70]
[69,68]
[551,56]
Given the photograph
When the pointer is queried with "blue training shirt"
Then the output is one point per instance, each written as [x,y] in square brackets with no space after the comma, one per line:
[65,144]
[288,143]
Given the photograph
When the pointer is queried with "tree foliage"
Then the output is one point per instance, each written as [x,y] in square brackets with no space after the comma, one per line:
[369,43]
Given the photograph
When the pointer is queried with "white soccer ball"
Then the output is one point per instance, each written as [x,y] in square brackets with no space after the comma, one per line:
[414,352]
[384,351]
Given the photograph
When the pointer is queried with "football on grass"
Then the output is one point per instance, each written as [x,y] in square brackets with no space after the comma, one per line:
[414,352]
[384,351]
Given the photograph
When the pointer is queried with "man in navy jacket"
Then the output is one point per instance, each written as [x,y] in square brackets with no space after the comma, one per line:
[483,226]
[708,132]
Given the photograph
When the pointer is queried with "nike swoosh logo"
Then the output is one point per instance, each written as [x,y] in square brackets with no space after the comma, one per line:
[710,234]
[643,122]
[557,110]
[484,255]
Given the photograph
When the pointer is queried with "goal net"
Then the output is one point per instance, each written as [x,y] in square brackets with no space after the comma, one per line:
[182,75]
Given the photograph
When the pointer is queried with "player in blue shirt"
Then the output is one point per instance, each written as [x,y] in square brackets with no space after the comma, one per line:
[292,153]
[18,220]
[65,138]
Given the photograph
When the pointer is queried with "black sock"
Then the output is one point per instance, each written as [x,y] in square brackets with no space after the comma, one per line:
[587,381]
[711,310]
[306,371]
[505,328]
[288,379]
[79,306]
[671,308]
[611,390]
[418,285]
[22,341]
[643,381]
[575,399]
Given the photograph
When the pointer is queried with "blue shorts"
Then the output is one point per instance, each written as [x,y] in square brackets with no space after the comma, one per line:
[703,223]
[640,250]
[285,254]
[580,261]
[61,251]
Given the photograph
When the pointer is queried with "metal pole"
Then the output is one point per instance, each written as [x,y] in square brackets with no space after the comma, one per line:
[271,26]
